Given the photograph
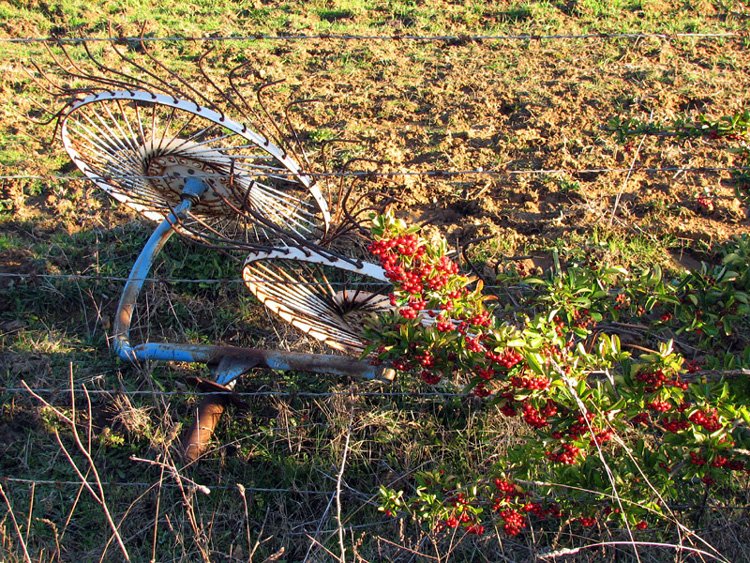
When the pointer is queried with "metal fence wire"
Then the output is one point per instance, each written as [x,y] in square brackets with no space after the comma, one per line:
[460,38]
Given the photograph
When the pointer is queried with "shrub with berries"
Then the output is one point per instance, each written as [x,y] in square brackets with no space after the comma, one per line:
[603,436]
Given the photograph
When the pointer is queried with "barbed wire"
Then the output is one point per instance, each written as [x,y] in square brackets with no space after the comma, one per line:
[261,490]
[393,173]
[460,38]
[292,393]
[143,484]
[249,394]
[226,281]
[90,277]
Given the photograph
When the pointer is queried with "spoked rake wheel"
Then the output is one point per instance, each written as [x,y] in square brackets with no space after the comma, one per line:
[195,171]
[328,298]
[141,147]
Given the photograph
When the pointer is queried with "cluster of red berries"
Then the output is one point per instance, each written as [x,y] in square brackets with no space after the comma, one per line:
[696,459]
[514,522]
[509,409]
[538,383]
[581,425]
[427,288]
[425,359]
[659,406]
[444,324]
[402,364]
[622,301]
[482,318]
[601,437]
[582,319]
[568,455]
[408,313]
[536,509]
[675,425]
[474,345]
[486,373]
[533,417]
[429,377]
[735,465]
[657,379]
[508,358]
[508,489]
[719,461]
[406,245]
[453,521]
[481,391]
[708,420]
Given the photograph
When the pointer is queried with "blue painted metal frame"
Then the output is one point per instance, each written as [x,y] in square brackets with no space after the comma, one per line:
[226,362]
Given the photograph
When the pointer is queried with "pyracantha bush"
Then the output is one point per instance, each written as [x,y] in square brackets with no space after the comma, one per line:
[604,437]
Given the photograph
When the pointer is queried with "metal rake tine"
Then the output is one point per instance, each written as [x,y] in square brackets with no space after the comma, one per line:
[47,79]
[236,90]
[101,80]
[54,116]
[259,217]
[79,72]
[167,87]
[213,84]
[345,216]
[326,145]
[259,95]
[130,81]
[291,127]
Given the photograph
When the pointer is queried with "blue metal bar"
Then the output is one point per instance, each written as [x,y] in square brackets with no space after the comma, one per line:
[227,362]
[138,274]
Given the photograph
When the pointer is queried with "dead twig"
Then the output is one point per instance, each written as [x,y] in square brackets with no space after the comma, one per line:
[574,551]
[6,500]
[186,500]
[85,450]
[339,478]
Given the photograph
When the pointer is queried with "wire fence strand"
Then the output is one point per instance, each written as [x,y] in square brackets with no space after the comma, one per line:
[143,484]
[478,38]
[223,281]
[396,173]
[246,394]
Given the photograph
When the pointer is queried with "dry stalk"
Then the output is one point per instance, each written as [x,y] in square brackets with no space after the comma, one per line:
[85,451]
[339,478]
[314,539]
[73,508]
[127,513]
[15,525]
[414,552]
[315,542]
[241,489]
[186,500]
[156,516]
[678,548]
[613,482]
[58,551]
[31,511]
